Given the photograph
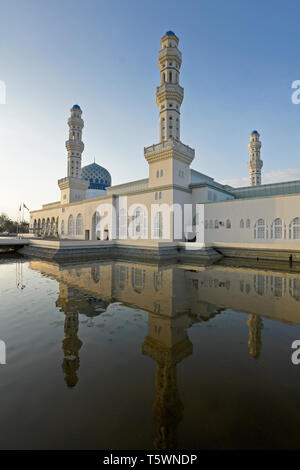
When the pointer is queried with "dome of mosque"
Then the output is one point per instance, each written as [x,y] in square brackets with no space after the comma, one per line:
[170,33]
[76,106]
[97,176]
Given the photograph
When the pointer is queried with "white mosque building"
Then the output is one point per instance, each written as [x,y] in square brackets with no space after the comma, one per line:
[245,221]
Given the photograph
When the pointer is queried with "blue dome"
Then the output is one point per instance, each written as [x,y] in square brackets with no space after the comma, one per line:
[76,106]
[97,176]
[170,33]
[254,132]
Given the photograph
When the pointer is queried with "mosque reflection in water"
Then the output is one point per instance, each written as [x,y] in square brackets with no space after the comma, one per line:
[175,297]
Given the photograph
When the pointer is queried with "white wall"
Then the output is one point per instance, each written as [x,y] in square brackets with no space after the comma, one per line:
[270,208]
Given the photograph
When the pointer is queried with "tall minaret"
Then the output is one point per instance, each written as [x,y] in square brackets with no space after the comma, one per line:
[169,94]
[169,160]
[73,188]
[255,163]
[74,145]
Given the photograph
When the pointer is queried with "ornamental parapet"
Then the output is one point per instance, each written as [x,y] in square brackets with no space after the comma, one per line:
[74,144]
[72,182]
[255,164]
[170,53]
[170,144]
[75,120]
[175,88]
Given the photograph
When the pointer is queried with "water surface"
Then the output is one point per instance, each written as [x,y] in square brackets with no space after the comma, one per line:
[120,355]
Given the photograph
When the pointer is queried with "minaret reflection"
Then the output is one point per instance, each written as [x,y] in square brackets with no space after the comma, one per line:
[255,324]
[74,302]
[71,343]
[168,344]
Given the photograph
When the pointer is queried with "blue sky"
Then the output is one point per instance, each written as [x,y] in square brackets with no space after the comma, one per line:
[239,60]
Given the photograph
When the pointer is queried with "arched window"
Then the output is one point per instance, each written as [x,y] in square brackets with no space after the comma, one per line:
[95,273]
[216,224]
[158,280]
[157,174]
[62,230]
[161,173]
[278,286]
[294,229]
[158,225]
[70,225]
[248,223]
[228,223]
[294,288]
[79,225]
[277,228]
[170,77]
[259,229]
[242,223]
[48,226]
[138,277]
[123,224]
[259,283]
[96,226]
[139,223]
[122,276]
[163,77]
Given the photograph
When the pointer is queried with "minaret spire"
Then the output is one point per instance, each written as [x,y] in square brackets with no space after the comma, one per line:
[169,160]
[73,187]
[169,94]
[255,163]
[74,145]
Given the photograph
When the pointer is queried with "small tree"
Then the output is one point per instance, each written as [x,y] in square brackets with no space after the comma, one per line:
[11,226]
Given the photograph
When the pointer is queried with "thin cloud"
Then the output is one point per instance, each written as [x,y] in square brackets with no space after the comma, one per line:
[275,176]
[236,182]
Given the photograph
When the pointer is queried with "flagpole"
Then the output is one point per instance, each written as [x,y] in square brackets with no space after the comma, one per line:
[18,222]
[24,207]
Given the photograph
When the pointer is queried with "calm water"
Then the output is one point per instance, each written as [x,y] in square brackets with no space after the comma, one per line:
[119,355]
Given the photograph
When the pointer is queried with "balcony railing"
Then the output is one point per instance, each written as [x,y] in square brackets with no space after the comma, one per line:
[170,87]
[170,52]
[170,143]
